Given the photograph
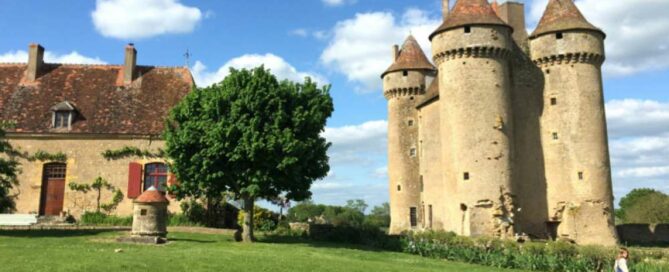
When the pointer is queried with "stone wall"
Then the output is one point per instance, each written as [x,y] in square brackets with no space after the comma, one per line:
[643,234]
[84,164]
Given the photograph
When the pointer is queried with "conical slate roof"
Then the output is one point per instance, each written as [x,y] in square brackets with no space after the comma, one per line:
[469,12]
[151,196]
[411,57]
[561,15]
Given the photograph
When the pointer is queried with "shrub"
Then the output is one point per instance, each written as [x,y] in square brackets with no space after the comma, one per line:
[551,256]
[102,219]
[263,219]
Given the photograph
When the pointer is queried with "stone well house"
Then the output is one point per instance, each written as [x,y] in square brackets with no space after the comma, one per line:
[83,111]
[502,133]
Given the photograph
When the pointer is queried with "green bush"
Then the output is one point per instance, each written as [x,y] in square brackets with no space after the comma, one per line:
[181,220]
[263,219]
[102,219]
[551,256]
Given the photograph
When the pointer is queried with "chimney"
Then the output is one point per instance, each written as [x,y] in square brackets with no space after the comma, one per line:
[35,61]
[514,14]
[396,52]
[445,7]
[130,64]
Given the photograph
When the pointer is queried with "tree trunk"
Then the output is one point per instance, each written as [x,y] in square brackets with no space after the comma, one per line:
[247,234]
[98,203]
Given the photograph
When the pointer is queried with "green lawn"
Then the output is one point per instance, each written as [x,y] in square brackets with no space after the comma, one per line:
[91,251]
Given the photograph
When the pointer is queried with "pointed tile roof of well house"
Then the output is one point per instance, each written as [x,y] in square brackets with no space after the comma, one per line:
[410,57]
[562,15]
[151,195]
[470,12]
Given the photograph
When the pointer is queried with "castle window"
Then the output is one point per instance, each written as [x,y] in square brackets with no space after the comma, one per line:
[553,101]
[410,123]
[555,136]
[421,184]
[548,71]
[466,176]
[468,29]
[580,175]
[559,35]
[412,216]
[63,114]
[399,188]
[412,152]
[405,73]
[155,175]
[429,215]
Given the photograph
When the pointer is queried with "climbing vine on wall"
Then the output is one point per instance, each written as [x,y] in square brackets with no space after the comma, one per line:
[43,156]
[129,151]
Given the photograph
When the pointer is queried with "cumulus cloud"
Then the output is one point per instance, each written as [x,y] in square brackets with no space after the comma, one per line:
[278,66]
[639,144]
[357,140]
[132,19]
[336,3]
[360,47]
[638,32]
[73,57]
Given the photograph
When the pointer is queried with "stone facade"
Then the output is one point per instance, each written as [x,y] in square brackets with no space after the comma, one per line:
[510,137]
[84,164]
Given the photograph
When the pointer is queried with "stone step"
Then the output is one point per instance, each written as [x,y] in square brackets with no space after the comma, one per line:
[18,219]
[51,220]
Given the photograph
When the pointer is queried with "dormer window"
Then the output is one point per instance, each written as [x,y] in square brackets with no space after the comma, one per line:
[63,115]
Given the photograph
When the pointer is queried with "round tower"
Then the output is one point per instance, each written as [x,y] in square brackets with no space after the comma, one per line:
[570,52]
[403,83]
[471,50]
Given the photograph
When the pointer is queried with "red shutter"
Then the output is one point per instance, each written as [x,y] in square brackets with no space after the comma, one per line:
[172,180]
[134,180]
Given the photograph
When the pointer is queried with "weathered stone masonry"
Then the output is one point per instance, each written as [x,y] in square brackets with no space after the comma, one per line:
[510,136]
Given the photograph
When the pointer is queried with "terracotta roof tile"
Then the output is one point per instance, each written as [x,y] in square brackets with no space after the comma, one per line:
[561,15]
[103,104]
[469,12]
[151,196]
[411,57]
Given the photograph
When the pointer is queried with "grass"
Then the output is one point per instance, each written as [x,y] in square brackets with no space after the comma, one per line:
[95,251]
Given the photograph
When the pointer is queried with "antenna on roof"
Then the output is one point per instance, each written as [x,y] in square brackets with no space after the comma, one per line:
[187,56]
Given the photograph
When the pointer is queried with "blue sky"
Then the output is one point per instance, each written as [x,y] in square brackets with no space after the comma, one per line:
[346,43]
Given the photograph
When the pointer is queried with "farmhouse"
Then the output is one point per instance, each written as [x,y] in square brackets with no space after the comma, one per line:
[83,111]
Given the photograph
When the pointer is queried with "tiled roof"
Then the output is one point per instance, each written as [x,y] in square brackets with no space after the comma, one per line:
[104,105]
[151,196]
[561,15]
[411,57]
[469,12]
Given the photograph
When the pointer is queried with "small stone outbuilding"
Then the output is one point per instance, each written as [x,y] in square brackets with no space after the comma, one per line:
[150,214]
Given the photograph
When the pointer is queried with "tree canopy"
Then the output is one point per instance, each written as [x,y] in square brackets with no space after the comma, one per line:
[252,136]
[644,206]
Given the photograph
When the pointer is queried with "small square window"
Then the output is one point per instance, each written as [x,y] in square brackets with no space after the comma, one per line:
[405,73]
[553,101]
[580,175]
[548,71]
[559,35]
[142,212]
[412,152]
[62,119]
[466,175]
[468,29]
[555,136]
[410,123]
[399,188]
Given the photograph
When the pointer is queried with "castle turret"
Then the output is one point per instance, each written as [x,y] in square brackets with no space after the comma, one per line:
[570,52]
[471,50]
[403,83]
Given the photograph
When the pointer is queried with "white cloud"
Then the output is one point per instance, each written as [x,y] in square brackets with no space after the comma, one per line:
[631,117]
[367,137]
[72,58]
[301,32]
[336,3]
[132,19]
[637,32]
[380,172]
[278,66]
[360,47]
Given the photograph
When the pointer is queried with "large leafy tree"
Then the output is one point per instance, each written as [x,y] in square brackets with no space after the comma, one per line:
[644,206]
[631,199]
[9,168]
[252,136]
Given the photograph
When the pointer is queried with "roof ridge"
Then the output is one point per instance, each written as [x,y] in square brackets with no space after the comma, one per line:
[561,15]
[410,57]
[470,12]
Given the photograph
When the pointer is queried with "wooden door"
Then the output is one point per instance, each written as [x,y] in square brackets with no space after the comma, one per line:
[53,189]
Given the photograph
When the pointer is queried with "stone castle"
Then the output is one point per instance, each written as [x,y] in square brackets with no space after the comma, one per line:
[507,134]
